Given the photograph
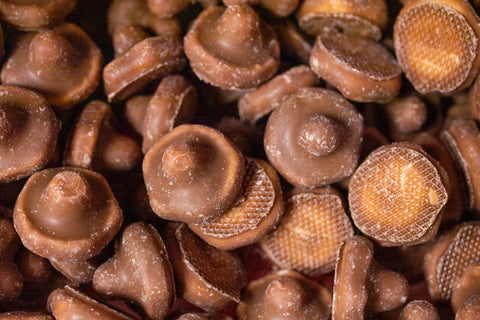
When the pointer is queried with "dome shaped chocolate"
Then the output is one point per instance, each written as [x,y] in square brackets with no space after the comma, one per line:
[313,138]
[63,64]
[232,48]
[193,174]
[66,214]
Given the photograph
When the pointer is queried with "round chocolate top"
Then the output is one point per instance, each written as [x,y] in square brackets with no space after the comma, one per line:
[63,64]
[313,138]
[34,14]
[193,174]
[28,132]
[232,48]
[66,213]
[285,295]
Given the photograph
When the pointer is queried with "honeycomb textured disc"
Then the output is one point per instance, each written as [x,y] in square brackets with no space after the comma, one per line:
[435,45]
[249,209]
[311,231]
[396,194]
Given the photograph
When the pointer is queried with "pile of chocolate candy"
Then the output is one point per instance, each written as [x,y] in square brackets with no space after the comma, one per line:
[244,159]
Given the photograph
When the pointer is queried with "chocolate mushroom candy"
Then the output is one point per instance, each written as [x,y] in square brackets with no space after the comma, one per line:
[147,61]
[279,8]
[398,194]
[448,259]
[35,269]
[28,133]
[419,310]
[62,63]
[453,62]
[361,69]
[193,174]
[70,304]
[34,14]
[12,279]
[77,272]
[470,310]
[198,316]
[283,295]
[246,136]
[126,37]
[66,214]
[232,47]
[25,315]
[374,288]
[462,138]
[310,232]
[123,13]
[259,102]
[139,271]
[173,103]
[313,137]
[207,277]
[95,144]
[406,115]
[254,213]
[363,18]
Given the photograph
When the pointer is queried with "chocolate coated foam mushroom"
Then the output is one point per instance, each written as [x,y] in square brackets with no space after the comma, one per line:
[94,143]
[63,64]
[232,47]
[313,138]
[283,295]
[146,61]
[34,14]
[139,271]
[279,8]
[28,132]
[12,279]
[66,214]
[193,174]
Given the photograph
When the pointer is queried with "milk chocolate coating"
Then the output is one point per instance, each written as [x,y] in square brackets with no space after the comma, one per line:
[94,143]
[466,286]
[145,62]
[293,43]
[135,110]
[470,310]
[232,48]
[361,69]
[279,8]
[173,103]
[419,310]
[254,213]
[62,63]
[66,214]
[126,37]
[25,315]
[11,283]
[139,271]
[136,12]
[34,14]
[167,8]
[313,138]
[193,174]
[285,295]
[259,102]
[207,277]
[76,271]
[359,18]
[28,132]
[69,304]
[462,138]
[199,316]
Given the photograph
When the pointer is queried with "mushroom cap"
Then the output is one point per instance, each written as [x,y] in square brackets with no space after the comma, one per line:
[63,64]
[285,294]
[35,14]
[232,48]
[28,132]
[305,137]
[66,214]
[193,174]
